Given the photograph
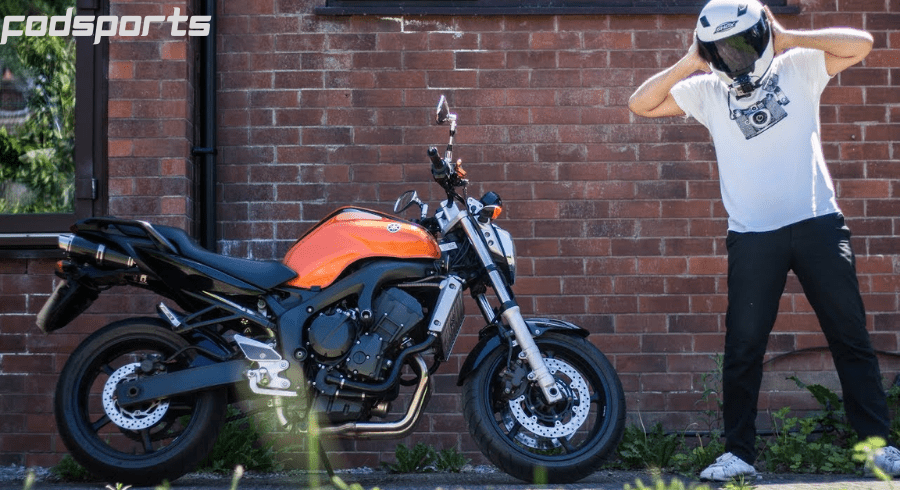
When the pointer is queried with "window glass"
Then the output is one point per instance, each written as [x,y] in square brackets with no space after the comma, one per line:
[37,136]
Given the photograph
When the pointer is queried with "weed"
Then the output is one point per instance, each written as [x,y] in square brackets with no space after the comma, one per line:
[815,444]
[423,458]
[739,483]
[69,470]
[642,449]
[418,459]
[658,483]
[29,480]
[241,443]
[337,482]
[701,456]
[450,460]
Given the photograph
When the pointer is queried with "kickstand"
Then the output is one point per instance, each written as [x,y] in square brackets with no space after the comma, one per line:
[323,457]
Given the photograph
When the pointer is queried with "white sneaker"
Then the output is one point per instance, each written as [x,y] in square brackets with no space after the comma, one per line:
[726,467]
[888,460]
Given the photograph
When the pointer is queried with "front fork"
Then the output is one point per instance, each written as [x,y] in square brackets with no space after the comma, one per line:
[513,315]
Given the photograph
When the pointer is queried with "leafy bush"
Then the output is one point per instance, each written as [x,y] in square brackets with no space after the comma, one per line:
[423,458]
[417,459]
[648,449]
[450,460]
[819,443]
[69,470]
[241,444]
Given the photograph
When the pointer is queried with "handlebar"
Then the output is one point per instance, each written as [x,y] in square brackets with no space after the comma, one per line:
[439,168]
[437,163]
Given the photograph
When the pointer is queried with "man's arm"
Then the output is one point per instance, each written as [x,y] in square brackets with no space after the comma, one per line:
[654,99]
[843,46]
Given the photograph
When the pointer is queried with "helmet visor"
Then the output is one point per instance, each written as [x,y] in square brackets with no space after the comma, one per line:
[735,55]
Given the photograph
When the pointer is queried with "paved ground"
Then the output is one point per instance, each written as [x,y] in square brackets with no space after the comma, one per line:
[473,480]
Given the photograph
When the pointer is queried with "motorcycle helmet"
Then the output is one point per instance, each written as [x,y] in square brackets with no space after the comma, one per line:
[735,38]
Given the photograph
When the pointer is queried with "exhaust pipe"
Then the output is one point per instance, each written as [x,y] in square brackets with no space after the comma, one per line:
[98,253]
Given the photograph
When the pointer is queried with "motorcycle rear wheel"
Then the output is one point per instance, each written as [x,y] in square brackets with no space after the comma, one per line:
[143,445]
[533,441]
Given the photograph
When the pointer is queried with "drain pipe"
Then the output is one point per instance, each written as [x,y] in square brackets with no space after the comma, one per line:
[207,147]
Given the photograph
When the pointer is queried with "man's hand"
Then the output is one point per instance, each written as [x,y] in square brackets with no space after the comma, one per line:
[843,46]
[780,37]
[696,60]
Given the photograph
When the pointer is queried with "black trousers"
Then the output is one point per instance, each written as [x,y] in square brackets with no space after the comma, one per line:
[818,251]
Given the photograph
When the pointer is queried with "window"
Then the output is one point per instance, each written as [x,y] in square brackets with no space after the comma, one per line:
[519,7]
[61,152]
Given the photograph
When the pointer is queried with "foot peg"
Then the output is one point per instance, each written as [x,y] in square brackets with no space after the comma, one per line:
[266,379]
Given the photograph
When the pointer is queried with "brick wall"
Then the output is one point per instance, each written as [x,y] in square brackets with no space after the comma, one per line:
[618,219]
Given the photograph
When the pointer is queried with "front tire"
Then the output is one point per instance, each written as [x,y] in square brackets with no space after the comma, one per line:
[143,445]
[537,442]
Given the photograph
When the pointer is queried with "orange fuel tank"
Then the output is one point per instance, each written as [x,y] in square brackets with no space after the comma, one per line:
[351,234]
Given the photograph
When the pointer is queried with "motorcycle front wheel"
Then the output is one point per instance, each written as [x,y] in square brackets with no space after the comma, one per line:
[142,445]
[539,442]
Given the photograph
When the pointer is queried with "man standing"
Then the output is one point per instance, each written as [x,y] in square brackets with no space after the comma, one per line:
[759,98]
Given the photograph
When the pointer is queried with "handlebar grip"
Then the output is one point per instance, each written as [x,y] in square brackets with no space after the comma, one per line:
[437,163]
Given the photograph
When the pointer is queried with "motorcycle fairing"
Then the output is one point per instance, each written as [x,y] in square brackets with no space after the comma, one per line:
[361,233]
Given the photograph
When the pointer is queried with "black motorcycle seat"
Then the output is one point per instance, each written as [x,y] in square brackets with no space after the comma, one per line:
[265,274]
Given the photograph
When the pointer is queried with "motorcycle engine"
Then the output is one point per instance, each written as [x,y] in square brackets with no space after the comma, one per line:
[339,342]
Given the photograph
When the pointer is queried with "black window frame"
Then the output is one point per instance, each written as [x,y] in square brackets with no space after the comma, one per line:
[35,235]
[529,7]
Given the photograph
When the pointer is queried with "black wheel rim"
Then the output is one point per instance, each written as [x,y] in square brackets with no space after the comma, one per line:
[552,434]
[135,433]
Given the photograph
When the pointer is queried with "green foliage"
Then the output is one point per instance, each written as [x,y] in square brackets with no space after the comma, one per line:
[648,449]
[450,460]
[865,452]
[816,444]
[241,444]
[69,470]
[423,458]
[658,483]
[339,483]
[418,459]
[893,401]
[690,461]
[40,153]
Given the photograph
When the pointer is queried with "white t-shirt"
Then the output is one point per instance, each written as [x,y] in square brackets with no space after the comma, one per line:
[771,169]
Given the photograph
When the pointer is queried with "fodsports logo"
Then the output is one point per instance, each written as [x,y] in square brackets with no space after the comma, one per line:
[101,26]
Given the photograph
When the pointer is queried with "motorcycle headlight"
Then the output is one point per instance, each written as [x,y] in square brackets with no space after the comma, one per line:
[506,248]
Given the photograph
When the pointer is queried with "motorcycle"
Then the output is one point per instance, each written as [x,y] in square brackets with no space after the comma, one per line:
[329,336]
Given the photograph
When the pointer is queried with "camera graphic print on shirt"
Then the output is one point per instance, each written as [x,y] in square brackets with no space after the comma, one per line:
[765,113]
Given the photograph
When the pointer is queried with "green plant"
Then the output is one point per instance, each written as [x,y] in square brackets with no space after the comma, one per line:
[739,483]
[417,459]
[712,386]
[29,480]
[337,482]
[241,443]
[818,443]
[658,483]
[69,470]
[690,461]
[893,401]
[642,449]
[450,460]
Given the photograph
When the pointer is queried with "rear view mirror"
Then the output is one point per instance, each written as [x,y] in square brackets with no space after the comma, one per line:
[443,111]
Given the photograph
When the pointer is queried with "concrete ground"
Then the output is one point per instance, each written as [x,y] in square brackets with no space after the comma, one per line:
[470,480]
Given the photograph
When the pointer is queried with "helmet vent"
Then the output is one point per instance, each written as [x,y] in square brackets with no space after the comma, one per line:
[742,9]
[704,22]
